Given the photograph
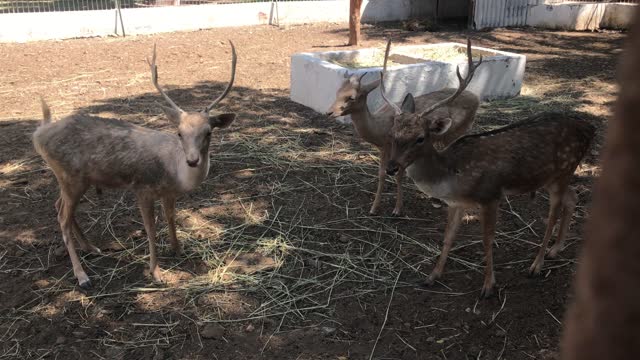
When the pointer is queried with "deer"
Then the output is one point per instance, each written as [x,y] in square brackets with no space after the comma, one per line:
[374,128]
[477,170]
[84,150]
[603,319]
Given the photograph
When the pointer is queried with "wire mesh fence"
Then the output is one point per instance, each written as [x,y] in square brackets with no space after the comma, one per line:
[23,6]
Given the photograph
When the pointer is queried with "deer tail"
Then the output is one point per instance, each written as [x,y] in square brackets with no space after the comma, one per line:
[46,112]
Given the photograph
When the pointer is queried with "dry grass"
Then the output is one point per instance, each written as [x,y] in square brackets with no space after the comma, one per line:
[440,53]
[275,235]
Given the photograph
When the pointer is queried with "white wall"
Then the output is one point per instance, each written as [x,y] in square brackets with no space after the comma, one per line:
[552,14]
[618,16]
[63,25]
[581,16]
[314,81]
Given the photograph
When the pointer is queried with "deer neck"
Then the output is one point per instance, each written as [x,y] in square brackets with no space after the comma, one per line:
[367,125]
[188,178]
[433,174]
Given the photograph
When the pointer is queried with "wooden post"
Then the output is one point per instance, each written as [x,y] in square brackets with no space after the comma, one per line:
[354,21]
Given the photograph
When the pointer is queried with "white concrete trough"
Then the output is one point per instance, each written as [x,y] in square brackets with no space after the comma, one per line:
[416,69]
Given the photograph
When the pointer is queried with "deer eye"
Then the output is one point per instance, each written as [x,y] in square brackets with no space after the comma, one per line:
[180,135]
[420,140]
[208,133]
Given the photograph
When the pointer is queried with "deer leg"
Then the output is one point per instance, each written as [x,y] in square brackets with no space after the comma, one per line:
[146,209]
[398,209]
[555,202]
[66,206]
[489,216]
[169,207]
[454,217]
[384,153]
[569,201]
[84,244]
[59,203]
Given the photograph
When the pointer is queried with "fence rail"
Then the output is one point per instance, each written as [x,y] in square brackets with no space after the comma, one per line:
[29,6]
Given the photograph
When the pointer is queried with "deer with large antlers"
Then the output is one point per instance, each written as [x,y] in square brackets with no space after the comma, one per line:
[108,153]
[374,128]
[478,170]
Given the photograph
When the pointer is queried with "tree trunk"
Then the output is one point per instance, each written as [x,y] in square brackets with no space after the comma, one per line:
[354,21]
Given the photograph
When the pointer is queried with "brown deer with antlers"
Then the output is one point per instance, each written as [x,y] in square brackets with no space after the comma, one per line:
[478,170]
[108,153]
[351,99]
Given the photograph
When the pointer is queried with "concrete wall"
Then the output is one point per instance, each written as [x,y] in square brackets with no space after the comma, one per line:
[63,25]
[618,16]
[581,16]
[314,80]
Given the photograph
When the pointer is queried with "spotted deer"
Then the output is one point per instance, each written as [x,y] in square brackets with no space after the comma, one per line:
[478,170]
[83,150]
[374,128]
[603,321]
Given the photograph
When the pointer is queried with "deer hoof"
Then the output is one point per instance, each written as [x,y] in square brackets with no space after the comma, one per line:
[553,253]
[85,283]
[431,279]
[534,270]
[486,292]
[94,250]
[176,250]
[397,212]
[157,276]
[373,211]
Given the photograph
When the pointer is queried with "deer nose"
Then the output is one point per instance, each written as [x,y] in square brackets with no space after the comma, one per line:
[392,169]
[193,163]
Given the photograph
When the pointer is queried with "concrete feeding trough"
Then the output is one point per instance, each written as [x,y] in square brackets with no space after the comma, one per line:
[416,69]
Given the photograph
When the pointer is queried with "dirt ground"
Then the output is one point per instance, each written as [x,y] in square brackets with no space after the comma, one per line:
[282,260]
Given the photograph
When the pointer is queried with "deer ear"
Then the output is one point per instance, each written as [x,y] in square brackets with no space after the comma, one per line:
[408,104]
[354,80]
[173,115]
[221,120]
[370,86]
[440,126]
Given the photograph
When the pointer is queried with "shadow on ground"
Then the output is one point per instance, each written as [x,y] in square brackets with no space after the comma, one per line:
[281,259]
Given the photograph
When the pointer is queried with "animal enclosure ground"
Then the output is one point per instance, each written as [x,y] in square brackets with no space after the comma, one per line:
[282,260]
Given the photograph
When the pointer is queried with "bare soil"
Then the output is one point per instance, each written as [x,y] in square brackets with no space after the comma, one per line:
[282,260]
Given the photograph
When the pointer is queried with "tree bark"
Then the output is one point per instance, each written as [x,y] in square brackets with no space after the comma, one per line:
[354,21]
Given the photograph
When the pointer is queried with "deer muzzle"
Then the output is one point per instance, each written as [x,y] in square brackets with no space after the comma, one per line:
[392,168]
[193,159]
[193,163]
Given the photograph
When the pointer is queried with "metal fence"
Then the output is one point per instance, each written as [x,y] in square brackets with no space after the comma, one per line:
[28,6]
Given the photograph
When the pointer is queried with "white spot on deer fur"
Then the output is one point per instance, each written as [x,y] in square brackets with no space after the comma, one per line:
[441,189]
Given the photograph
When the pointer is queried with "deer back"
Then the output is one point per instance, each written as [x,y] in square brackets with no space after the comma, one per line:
[519,158]
[109,152]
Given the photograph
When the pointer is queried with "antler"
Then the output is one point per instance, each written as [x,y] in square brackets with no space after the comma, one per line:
[463,82]
[395,107]
[233,76]
[154,79]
